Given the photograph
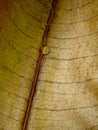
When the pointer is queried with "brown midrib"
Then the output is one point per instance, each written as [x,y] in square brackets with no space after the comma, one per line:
[38,66]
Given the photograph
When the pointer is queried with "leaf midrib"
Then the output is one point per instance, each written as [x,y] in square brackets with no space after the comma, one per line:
[38,66]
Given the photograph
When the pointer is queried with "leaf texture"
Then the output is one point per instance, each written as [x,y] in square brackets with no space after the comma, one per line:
[66,97]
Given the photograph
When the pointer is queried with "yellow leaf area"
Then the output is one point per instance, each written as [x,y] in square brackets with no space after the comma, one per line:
[67,90]
[22,24]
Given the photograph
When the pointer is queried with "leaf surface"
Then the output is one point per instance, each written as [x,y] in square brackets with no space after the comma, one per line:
[67,89]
